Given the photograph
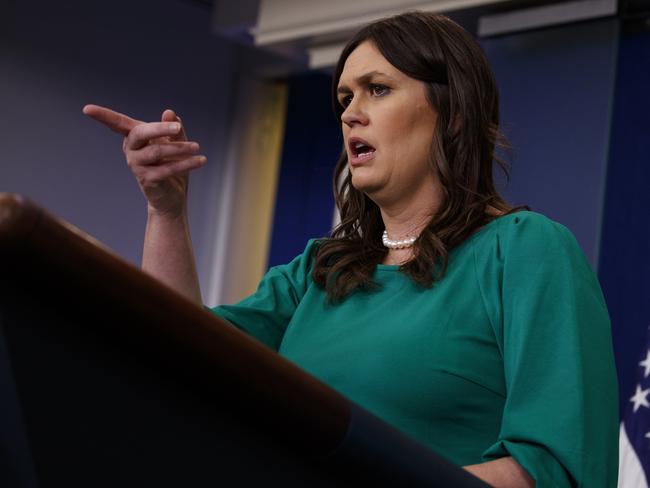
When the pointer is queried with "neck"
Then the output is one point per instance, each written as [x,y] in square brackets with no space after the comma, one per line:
[404,221]
[402,226]
[407,212]
[408,219]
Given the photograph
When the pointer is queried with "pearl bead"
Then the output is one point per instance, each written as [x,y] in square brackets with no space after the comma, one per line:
[400,244]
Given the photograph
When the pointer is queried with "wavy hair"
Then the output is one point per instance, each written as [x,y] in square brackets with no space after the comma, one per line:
[462,90]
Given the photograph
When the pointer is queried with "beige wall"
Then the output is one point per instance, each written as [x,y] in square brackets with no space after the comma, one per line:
[247,211]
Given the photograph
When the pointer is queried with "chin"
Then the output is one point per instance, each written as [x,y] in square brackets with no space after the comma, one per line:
[366,185]
[361,183]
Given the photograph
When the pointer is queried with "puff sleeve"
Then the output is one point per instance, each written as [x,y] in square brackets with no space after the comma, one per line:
[265,314]
[560,418]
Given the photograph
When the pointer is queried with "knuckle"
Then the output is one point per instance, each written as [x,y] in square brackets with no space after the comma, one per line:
[132,160]
[137,134]
[147,181]
[155,152]
[136,131]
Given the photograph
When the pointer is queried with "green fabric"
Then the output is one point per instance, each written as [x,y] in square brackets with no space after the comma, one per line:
[509,354]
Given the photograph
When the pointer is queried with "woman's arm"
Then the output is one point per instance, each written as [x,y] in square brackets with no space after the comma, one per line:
[168,255]
[160,157]
[502,473]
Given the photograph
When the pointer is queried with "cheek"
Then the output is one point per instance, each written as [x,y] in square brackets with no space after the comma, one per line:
[409,136]
[421,127]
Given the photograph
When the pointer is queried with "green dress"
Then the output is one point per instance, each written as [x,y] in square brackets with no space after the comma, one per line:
[510,354]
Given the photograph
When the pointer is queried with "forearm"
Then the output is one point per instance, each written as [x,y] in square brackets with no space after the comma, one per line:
[168,255]
[502,473]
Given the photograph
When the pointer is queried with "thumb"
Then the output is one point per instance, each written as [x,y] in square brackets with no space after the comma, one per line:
[170,116]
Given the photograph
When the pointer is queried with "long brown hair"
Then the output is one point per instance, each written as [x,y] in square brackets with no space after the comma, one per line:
[462,90]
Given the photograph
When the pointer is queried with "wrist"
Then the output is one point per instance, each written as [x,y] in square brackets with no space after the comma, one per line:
[172,214]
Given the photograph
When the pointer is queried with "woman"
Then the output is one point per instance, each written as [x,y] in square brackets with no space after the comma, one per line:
[472,326]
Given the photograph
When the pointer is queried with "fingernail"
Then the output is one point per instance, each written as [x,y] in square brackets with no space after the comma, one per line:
[174,127]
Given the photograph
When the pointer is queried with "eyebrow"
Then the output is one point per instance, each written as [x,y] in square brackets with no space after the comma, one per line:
[363,80]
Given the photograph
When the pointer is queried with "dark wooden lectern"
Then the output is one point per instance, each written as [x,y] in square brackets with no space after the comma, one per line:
[109,378]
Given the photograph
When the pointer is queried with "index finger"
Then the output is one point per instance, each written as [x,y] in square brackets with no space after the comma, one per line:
[117,122]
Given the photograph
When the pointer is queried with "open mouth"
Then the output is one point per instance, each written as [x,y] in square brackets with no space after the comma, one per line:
[360,148]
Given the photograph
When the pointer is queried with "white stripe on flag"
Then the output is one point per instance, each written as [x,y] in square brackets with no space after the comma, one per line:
[630,472]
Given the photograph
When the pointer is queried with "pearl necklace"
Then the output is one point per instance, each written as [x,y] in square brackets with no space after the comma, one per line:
[390,244]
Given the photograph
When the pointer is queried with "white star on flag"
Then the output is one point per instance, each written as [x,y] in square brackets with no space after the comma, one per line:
[640,398]
[646,364]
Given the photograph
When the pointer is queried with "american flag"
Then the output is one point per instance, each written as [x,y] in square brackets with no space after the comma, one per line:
[634,443]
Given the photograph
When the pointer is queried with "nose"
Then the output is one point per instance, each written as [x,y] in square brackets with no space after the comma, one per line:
[354,115]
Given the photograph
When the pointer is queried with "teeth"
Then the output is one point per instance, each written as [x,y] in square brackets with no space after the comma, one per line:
[362,149]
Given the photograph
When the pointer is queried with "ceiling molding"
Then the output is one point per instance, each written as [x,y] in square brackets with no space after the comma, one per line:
[291,20]
[545,16]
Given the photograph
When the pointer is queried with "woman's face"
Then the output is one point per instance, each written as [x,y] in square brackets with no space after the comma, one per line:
[388,126]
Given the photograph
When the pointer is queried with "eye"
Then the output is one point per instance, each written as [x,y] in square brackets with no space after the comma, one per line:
[345,101]
[378,90]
